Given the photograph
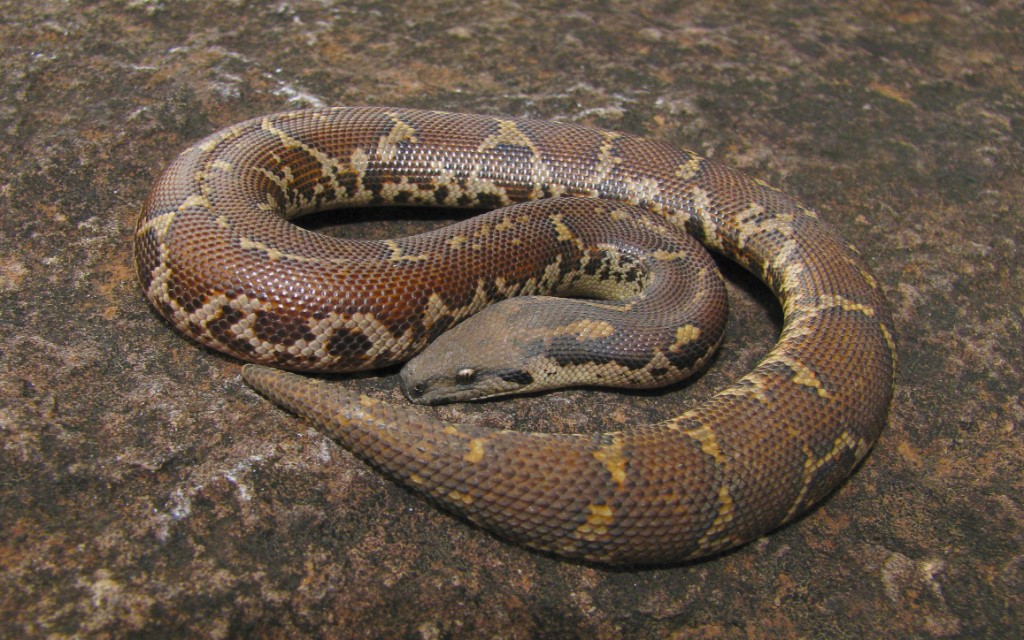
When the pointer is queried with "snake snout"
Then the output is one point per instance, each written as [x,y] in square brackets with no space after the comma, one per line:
[414,391]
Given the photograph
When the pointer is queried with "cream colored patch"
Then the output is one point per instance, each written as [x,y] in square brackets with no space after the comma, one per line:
[562,232]
[701,201]
[195,200]
[207,146]
[667,256]
[379,335]
[340,263]
[476,451]
[387,146]
[762,183]
[705,437]
[284,183]
[847,305]
[599,518]
[483,231]
[619,214]
[435,309]
[607,161]
[458,496]
[802,374]
[159,224]
[552,273]
[329,165]
[225,135]
[325,328]
[756,387]
[510,134]
[843,442]
[481,298]
[398,255]
[617,307]
[587,329]
[685,335]
[390,191]
[644,190]
[753,223]
[469,190]
[271,205]
[812,463]
[270,252]
[689,169]
[724,517]
[507,223]
[614,461]
[868,278]
[810,213]
[322,330]
[747,219]
[889,341]
[360,161]
[656,372]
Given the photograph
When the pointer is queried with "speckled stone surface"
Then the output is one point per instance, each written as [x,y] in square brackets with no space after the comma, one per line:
[145,491]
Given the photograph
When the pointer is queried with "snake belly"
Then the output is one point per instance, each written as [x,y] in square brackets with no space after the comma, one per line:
[752,457]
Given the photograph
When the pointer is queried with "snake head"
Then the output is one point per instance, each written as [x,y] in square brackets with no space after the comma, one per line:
[498,351]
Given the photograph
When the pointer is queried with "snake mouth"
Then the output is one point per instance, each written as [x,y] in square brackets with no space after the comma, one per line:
[414,391]
[430,393]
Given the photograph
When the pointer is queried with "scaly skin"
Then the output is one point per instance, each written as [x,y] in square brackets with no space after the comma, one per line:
[750,458]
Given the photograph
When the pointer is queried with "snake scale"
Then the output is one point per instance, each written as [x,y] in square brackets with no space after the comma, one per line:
[216,256]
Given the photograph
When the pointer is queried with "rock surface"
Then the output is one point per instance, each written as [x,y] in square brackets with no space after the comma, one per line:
[145,491]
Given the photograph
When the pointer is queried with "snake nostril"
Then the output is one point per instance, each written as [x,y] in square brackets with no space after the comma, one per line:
[418,389]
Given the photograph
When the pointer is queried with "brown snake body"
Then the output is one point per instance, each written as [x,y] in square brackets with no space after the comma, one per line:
[750,458]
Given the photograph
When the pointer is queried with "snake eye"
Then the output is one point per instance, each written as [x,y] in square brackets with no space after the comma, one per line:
[465,376]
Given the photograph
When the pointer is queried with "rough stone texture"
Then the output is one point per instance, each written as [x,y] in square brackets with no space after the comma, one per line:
[145,491]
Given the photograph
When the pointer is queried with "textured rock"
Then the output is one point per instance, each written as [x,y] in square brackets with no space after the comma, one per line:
[144,489]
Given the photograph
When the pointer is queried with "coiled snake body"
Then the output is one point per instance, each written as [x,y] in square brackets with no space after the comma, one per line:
[217,259]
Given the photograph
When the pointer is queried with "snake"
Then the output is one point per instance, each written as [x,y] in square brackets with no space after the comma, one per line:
[218,257]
